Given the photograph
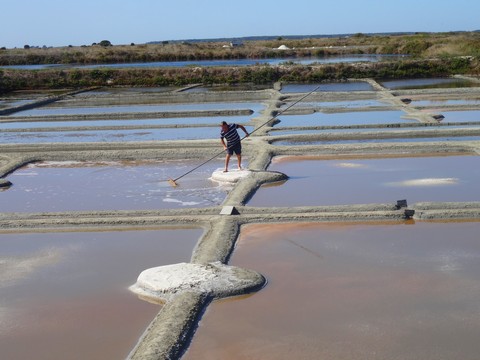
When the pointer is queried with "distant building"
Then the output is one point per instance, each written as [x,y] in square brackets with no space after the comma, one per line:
[235,43]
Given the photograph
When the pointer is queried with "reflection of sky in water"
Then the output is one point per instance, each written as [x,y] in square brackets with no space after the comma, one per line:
[444,102]
[13,103]
[54,110]
[114,122]
[64,286]
[340,104]
[113,135]
[426,83]
[389,129]
[330,182]
[349,86]
[344,118]
[361,141]
[360,291]
[111,186]
[459,116]
[234,62]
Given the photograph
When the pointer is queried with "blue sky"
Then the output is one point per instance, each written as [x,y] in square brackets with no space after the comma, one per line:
[62,23]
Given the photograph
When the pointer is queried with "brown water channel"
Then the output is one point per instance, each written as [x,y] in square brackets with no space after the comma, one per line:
[351,291]
[65,295]
[72,186]
[314,181]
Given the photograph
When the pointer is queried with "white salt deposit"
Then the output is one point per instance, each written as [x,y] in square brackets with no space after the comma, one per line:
[426,182]
[232,176]
[214,278]
[350,165]
[180,202]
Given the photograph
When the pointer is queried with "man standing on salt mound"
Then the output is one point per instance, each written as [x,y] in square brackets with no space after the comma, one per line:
[234,144]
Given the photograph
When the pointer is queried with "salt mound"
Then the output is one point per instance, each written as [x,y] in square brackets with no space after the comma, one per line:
[283,47]
[164,282]
[232,176]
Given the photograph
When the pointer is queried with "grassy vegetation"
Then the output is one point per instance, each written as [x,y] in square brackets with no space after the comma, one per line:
[432,54]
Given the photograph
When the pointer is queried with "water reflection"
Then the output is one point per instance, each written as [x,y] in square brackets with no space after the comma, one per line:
[343,118]
[193,133]
[131,122]
[233,62]
[72,186]
[363,181]
[346,291]
[340,104]
[459,116]
[56,110]
[366,141]
[275,132]
[65,295]
[346,86]
[429,83]
[445,102]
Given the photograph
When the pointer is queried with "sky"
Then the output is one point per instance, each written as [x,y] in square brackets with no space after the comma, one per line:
[63,23]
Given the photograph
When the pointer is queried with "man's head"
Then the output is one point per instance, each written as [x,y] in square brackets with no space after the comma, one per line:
[224,125]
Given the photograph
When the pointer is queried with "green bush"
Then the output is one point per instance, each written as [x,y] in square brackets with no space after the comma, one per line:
[105,43]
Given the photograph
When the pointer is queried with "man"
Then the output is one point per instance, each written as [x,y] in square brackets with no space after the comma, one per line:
[233,144]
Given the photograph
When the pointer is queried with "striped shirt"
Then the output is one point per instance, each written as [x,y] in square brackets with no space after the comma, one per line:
[231,135]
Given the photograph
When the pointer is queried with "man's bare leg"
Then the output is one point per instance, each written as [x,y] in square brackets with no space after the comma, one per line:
[227,160]
[239,158]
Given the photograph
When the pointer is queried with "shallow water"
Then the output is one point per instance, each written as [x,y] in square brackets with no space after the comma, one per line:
[65,295]
[366,141]
[132,122]
[444,102]
[458,116]
[211,132]
[13,103]
[428,83]
[345,291]
[55,109]
[344,118]
[235,62]
[274,132]
[347,86]
[340,104]
[376,180]
[111,186]
[231,87]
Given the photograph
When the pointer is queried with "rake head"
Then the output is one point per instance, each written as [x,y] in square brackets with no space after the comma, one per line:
[172,182]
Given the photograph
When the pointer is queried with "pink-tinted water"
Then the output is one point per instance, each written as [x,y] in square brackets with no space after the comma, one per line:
[351,291]
[65,295]
[357,181]
[128,185]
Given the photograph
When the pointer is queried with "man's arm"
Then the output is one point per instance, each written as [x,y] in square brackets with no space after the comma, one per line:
[223,143]
[244,130]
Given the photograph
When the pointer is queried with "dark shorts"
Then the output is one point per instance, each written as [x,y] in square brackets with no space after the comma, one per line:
[237,149]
